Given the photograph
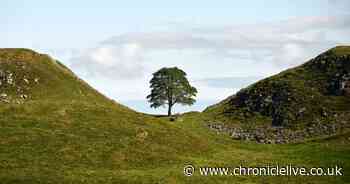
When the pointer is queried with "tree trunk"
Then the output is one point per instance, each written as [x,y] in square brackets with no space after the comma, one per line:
[169,109]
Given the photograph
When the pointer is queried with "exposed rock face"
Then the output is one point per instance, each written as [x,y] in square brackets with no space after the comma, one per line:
[340,84]
[9,78]
[272,101]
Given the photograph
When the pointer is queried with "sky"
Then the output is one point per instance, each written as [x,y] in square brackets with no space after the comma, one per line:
[223,46]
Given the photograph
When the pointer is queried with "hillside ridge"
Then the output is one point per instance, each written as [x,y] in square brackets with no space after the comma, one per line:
[27,75]
[306,101]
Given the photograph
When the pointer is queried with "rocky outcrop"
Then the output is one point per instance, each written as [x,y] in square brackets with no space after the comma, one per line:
[339,84]
[271,100]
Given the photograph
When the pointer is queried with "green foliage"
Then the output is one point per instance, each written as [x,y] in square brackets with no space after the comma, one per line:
[169,87]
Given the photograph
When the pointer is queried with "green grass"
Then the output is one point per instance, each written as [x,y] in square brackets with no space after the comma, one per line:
[341,50]
[107,150]
[66,132]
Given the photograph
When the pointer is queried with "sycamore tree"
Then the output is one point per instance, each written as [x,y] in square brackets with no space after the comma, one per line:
[169,86]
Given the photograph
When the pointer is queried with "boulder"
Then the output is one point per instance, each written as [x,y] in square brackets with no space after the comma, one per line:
[3,95]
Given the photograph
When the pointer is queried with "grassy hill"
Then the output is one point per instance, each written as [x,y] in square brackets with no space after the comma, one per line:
[57,129]
[312,99]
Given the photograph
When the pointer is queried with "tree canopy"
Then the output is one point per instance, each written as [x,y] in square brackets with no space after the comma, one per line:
[169,86]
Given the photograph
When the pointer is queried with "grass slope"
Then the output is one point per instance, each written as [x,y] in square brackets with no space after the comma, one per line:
[66,132]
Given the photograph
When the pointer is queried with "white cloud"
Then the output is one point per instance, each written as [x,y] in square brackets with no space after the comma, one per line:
[301,33]
[116,62]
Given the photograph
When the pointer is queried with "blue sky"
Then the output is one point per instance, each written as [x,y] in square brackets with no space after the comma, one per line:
[222,45]
[82,23]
